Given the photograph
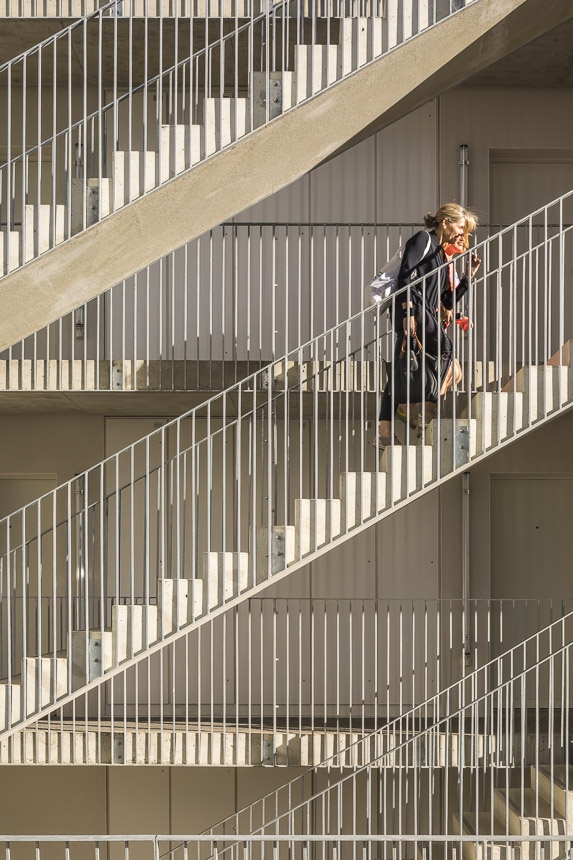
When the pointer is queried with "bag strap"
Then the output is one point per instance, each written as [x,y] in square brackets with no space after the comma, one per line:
[405,343]
[428,246]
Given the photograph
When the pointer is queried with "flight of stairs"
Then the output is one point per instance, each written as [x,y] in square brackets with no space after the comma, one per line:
[545,808]
[221,122]
[404,470]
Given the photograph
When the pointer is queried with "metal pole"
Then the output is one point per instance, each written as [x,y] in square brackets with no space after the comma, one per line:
[464,174]
[466,564]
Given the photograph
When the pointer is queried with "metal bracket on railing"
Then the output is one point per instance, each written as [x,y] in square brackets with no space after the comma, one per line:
[461,446]
[94,661]
[266,377]
[117,376]
[118,749]
[267,753]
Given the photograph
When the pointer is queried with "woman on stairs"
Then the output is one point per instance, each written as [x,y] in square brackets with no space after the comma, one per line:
[427,308]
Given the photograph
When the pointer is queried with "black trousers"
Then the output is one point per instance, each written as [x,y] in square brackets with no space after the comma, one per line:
[435,341]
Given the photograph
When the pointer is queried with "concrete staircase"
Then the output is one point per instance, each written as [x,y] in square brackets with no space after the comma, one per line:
[318,523]
[543,809]
[153,201]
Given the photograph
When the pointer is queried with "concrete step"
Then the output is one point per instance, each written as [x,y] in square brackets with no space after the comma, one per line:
[225,120]
[545,389]
[8,265]
[556,781]
[281,95]
[408,468]
[457,443]
[180,603]
[282,544]
[45,226]
[134,628]
[472,825]
[133,174]
[92,655]
[363,495]
[317,66]
[180,149]
[524,813]
[10,704]
[225,575]
[361,40]
[317,522]
[46,682]
[498,414]
[91,199]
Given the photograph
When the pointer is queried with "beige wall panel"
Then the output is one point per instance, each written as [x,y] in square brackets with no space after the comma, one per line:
[254,783]
[138,800]
[291,204]
[19,490]
[497,117]
[200,797]
[407,167]
[408,550]
[345,189]
[66,445]
[521,186]
[351,572]
[544,452]
[52,801]
[531,542]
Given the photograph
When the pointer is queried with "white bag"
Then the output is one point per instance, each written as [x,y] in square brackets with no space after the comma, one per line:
[379,292]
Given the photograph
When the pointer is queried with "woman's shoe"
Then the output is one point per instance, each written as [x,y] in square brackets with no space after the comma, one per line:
[429,414]
[402,415]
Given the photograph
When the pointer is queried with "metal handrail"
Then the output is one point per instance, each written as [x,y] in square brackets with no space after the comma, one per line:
[302,690]
[168,328]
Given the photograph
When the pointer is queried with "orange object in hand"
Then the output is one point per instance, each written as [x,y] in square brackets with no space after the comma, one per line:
[464,323]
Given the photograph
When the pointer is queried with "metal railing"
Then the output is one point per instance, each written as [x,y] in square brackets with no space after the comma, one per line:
[186,8]
[96,118]
[491,746]
[286,680]
[274,471]
[212,312]
[367,845]
[489,766]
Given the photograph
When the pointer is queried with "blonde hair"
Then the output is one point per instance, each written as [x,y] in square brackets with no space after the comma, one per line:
[452,212]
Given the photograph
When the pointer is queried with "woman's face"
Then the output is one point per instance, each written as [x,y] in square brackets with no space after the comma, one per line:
[454,232]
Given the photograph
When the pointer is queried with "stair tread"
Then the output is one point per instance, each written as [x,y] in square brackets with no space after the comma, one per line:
[558,777]
[484,824]
[531,807]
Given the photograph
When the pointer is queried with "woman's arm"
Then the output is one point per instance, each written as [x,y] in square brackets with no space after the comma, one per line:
[413,256]
[459,292]
[461,287]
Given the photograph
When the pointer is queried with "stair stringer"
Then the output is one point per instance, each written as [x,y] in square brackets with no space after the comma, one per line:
[255,590]
[248,170]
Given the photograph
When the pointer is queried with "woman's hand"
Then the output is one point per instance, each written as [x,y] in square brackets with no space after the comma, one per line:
[410,323]
[447,315]
[475,264]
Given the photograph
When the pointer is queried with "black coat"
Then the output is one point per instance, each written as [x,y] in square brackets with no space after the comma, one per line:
[437,283]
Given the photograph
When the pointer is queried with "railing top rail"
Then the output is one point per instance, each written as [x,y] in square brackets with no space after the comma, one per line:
[295,837]
[375,224]
[294,354]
